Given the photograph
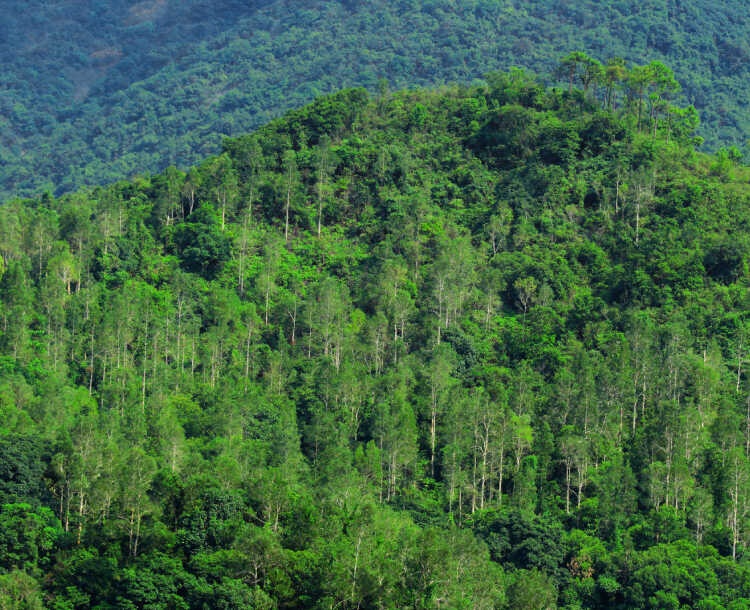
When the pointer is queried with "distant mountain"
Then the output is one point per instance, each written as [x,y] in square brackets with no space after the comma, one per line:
[94,91]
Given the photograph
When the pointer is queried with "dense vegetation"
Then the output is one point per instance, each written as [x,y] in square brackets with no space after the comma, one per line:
[94,91]
[464,348]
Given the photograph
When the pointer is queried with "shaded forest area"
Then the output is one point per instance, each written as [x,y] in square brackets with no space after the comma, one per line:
[93,92]
[469,347]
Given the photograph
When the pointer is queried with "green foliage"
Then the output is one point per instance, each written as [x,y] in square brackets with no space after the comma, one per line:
[201,245]
[22,465]
[21,591]
[480,347]
[28,537]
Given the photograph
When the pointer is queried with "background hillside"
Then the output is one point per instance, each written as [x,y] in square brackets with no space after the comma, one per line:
[475,347]
[95,91]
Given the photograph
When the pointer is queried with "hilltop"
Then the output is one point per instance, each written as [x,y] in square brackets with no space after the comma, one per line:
[469,346]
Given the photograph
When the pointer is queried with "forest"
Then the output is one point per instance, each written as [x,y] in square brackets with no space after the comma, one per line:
[93,92]
[461,347]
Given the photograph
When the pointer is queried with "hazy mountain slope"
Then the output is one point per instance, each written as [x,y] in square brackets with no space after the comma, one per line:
[97,91]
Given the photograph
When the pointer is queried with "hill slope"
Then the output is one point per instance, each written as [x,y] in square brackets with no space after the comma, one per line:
[476,347]
[97,91]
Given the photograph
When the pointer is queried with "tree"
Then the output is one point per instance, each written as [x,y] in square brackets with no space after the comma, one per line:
[636,84]
[289,164]
[20,591]
[249,161]
[28,538]
[327,314]
[498,227]
[672,575]
[575,453]
[22,467]
[452,276]
[579,66]
[136,474]
[532,590]
[190,189]
[17,298]
[526,289]
[64,267]
[394,429]
[453,569]
[222,177]
[325,163]
[570,65]
[440,383]
[203,245]
[395,294]
[739,499]
[662,85]
[615,73]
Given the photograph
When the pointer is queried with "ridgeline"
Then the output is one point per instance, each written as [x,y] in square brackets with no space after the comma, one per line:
[94,92]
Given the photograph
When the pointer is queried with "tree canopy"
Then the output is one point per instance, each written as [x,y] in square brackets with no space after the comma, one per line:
[477,347]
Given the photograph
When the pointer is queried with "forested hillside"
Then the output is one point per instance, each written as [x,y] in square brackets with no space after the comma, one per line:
[477,347]
[93,91]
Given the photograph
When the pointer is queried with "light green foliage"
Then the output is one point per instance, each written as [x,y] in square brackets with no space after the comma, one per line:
[20,591]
